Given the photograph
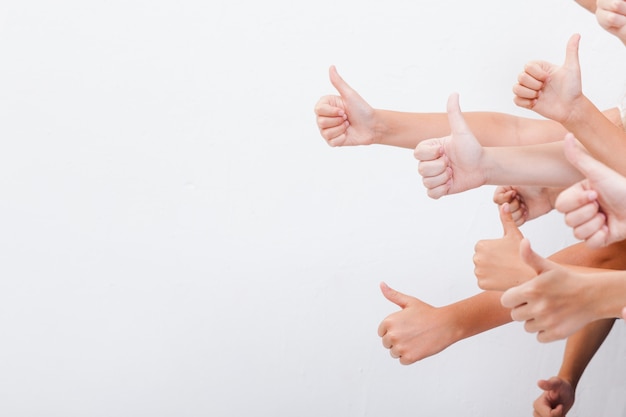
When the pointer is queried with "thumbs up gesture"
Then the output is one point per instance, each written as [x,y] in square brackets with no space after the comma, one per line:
[451,164]
[551,90]
[596,206]
[557,302]
[345,119]
[497,264]
[417,331]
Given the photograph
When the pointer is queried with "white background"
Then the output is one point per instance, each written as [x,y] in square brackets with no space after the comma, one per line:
[178,240]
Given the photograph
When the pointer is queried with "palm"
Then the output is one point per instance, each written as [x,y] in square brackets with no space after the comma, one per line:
[360,116]
[556,99]
[464,153]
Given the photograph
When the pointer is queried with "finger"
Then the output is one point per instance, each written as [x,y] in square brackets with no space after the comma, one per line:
[585,221]
[544,336]
[508,224]
[591,168]
[432,168]
[524,92]
[552,384]
[610,20]
[332,132]
[524,102]
[618,7]
[571,53]
[537,70]
[382,329]
[394,296]
[512,298]
[624,313]
[575,197]
[524,79]
[532,259]
[455,117]
[599,239]
[503,194]
[521,312]
[519,217]
[515,205]
[326,122]
[436,181]
[440,191]
[428,150]
[340,85]
[328,106]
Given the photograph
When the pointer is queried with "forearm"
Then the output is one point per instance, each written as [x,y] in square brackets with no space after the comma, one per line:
[406,130]
[608,257]
[538,165]
[600,133]
[478,314]
[580,349]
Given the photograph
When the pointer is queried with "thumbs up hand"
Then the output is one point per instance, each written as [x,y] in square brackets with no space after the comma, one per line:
[451,164]
[417,331]
[554,304]
[596,206]
[497,264]
[345,119]
[551,90]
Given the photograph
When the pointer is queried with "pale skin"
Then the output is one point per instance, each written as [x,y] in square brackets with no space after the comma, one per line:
[559,301]
[497,264]
[555,300]
[526,203]
[555,92]
[595,207]
[611,15]
[347,120]
[458,162]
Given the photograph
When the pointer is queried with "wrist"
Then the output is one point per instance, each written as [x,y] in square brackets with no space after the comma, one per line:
[610,294]
[382,131]
[569,379]
[581,107]
[490,167]
[552,194]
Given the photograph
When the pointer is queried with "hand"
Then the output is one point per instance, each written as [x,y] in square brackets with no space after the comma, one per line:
[417,331]
[525,202]
[554,304]
[498,265]
[611,15]
[551,90]
[346,119]
[451,164]
[596,206]
[556,399]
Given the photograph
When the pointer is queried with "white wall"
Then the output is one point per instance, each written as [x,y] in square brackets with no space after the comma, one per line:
[177,239]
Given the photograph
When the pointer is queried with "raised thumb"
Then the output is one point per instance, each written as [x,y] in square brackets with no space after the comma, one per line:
[455,117]
[340,85]
[394,296]
[582,161]
[571,52]
[532,259]
[508,224]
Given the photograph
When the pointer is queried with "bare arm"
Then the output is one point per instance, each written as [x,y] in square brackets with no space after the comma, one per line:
[580,349]
[347,119]
[406,130]
[603,138]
